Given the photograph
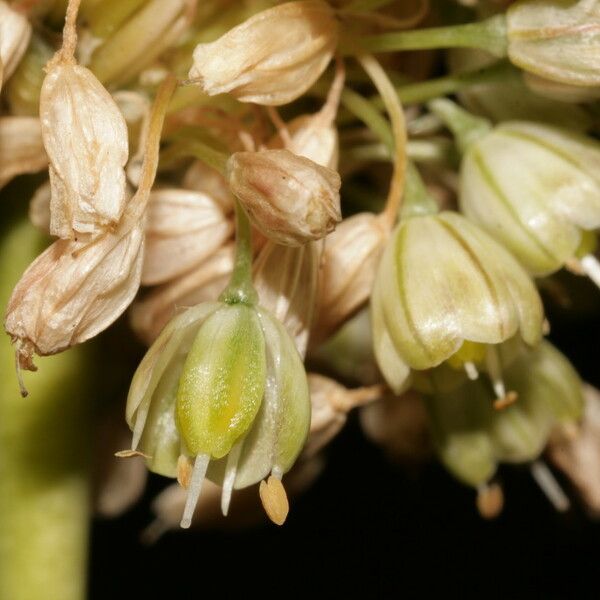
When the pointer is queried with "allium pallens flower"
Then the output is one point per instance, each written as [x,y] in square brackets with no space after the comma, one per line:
[442,282]
[224,387]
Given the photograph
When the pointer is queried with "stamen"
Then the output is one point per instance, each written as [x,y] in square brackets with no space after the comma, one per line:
[200,467]
[184,471]
[490,500]
[230,474]
[551,488]
[22,388]
[591,267]
[494,367]
[471,370]
[274,499]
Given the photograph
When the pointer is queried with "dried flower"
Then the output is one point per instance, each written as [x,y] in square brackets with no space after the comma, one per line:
[291,199]
[21,148]
[220,382]
[75,289]
[183,228]
[555,39]
[15,32]
[202,178]
[39,207]
[352,253]
[443,282]
[541,206]
[87,166]
[273,57]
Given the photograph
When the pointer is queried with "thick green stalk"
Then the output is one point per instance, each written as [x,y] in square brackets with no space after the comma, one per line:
[415,93]
[489,35]
[240,288]
[44,442]
[417,200]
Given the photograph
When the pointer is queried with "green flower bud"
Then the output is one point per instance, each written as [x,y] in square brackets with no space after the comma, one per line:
[443,282]
[223,385]
[556,39]
[541,205]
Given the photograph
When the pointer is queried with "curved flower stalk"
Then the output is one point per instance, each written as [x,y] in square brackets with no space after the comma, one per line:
[446,290]
[543,207]
[273,57]
[471,438]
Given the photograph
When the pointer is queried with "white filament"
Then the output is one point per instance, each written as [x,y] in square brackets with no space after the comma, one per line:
[200,467]
[494,368]
[591,267]
[471,370]
[548,484]
[230,475]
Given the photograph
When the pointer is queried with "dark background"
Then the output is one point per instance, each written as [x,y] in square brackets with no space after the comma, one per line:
[371,528]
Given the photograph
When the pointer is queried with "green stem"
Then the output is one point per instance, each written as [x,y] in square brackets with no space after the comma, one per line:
[417,200]
[467,128]
[107,16]
[366,5]
[415,93]
[44,462]
[366,111]
[186,148]
[489,35]
[240,289]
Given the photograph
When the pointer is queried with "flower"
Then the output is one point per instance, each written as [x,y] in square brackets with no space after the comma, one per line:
[544,206]
[273,57]
[442,284]
[222,386]
[15,33]
[289,198]
[472,438]
[555,39]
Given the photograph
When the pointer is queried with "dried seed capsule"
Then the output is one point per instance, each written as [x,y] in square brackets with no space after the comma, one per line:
[15,32]
[273,57]
[39,208]
[87,166]
[555,39]
[443,281]
[291,199]
[352,253]
[21,147]
[183,228]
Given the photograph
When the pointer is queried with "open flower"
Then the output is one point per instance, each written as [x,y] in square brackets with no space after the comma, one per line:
[544,206]
[446,289]
[222,386]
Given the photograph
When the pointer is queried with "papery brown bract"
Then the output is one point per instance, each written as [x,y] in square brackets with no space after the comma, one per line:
[273,57]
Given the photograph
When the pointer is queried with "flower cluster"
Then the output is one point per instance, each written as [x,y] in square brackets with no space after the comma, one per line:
[251,165]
